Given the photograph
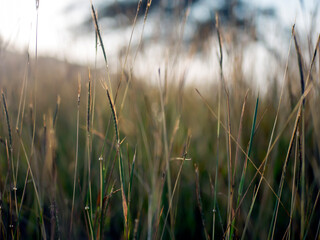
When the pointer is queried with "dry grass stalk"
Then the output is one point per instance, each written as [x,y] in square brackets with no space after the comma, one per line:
[284,169]
[176,183]
[118,143]
[98,33]
[200,202]
[77,152]
[229,145]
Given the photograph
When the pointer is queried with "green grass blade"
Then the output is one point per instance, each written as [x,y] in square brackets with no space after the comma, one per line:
[240,190]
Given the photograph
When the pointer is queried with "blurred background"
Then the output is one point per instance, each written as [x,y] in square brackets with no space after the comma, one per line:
[66,31]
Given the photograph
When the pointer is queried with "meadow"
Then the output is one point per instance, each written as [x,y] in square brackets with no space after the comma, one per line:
[86,153]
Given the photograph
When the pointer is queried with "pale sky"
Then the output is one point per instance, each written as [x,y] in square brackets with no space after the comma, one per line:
[18,27]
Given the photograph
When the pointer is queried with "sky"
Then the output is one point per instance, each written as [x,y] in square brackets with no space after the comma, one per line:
[18,26]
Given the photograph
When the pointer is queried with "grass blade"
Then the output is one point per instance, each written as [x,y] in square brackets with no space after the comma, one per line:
[77,152]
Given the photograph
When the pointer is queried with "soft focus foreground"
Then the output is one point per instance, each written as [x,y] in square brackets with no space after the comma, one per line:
[86,153]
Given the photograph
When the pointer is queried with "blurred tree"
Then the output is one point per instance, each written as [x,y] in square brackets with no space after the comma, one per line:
[163,15]
[239,13]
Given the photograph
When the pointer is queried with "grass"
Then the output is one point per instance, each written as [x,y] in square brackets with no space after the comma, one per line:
[159,161]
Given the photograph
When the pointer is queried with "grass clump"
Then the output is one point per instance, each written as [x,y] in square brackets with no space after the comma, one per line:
[159,161]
